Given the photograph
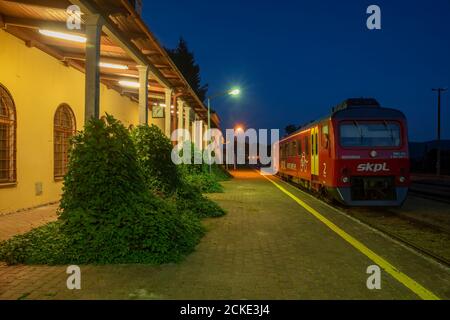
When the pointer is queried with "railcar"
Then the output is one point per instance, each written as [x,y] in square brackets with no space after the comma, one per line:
[357,154]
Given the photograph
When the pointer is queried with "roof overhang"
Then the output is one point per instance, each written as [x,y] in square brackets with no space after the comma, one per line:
[126,40]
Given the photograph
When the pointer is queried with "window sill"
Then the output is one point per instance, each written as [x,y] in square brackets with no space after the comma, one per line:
[58,179]
[8,185]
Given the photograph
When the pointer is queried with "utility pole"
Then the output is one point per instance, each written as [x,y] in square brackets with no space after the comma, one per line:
[438,151]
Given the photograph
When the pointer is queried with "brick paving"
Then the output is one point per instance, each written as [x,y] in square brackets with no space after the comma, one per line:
[23,221]
[266,247]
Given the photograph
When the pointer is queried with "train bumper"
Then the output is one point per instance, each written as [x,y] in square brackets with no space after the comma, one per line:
[344,195]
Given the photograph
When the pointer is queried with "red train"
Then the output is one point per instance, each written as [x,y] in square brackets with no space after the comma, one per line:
[357,155]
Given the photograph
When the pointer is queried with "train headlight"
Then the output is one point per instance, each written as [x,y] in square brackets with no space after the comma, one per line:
[402,179]
[345,179]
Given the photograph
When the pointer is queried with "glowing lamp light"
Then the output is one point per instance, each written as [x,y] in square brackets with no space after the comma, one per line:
[113,66]
[63,35]
[234,92]
[129,84]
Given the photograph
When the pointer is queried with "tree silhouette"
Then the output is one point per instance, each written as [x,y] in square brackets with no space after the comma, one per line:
[185,62]
[290,128]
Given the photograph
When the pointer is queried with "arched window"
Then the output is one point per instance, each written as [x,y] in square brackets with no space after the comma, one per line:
[7,137]
[63,128]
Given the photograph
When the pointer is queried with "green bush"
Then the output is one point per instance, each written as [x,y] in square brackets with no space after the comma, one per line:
[204,182]
[188,198]
[107,213]
[154,157]
[46,244]
[167,179]
[220,173]
[200,177]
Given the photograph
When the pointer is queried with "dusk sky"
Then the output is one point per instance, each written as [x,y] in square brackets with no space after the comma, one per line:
[294,60]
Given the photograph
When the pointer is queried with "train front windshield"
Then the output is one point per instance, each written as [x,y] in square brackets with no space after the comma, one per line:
[370,134]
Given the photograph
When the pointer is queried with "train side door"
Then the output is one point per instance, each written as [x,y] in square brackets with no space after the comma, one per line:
[314,151]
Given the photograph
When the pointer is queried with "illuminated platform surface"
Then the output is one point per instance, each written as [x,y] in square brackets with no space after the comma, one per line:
[268,246]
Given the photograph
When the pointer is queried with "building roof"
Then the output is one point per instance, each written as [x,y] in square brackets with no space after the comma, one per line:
[125,38]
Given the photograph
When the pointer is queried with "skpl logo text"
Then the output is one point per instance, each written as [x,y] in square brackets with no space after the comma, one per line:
[372,167]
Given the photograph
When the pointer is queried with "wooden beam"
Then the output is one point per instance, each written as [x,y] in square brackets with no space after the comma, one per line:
[49,50]
[53,4]
[26,37]
[30,43]
[75,45]
[152,53]
[172,77]
[158,95]
[113,11]
[89,7]
[163,66]
[39,24]
[82,57]
[19,33]
[116,78]
[55,25]
[133,36]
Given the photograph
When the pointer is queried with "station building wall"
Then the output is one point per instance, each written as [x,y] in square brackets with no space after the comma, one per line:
[38,84]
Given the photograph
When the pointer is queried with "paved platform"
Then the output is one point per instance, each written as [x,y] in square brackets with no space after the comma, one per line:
[23,221]
[266,247]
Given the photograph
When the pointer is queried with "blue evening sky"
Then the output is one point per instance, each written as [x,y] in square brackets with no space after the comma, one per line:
[295,59]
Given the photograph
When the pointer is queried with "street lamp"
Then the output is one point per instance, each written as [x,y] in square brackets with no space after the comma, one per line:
[231,92]
[239,129]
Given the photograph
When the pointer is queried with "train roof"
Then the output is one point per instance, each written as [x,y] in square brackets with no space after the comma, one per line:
[366,108]
[355,108]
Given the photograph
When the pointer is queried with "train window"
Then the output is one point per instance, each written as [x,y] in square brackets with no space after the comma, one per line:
[306,146]
[370,134]
[299,147]
[316,144]
[293,150]
[325,137]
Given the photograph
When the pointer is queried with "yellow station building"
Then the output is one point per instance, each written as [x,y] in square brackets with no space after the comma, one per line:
[59,67]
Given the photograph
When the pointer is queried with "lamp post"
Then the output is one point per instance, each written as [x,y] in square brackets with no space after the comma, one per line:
[238,129]
[231,92]
[438,151]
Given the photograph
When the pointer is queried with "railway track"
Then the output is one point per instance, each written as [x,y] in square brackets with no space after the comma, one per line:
[431,190]
[348,211]
[405,241]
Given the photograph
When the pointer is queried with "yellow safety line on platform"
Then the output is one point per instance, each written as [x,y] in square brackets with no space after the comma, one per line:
[389,268]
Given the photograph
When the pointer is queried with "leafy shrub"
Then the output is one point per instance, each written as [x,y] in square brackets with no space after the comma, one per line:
[188,198]
[153,148]
[220,173]
[199,176]
[46,244]
[153,154]
[107,214]
[204,182]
